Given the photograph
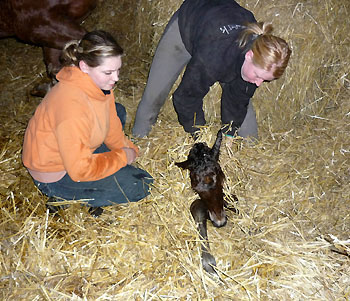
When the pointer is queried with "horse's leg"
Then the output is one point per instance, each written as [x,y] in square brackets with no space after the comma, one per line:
[53,35]
[53,65]
[52,61]
[199,212]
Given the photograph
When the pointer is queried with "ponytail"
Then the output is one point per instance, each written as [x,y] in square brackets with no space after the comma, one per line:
[94,46]
[269,52]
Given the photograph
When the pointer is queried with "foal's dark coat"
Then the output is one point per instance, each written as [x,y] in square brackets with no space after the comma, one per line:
[207,180]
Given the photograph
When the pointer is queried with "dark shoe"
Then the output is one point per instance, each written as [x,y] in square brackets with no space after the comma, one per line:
[95,211]
[54,208]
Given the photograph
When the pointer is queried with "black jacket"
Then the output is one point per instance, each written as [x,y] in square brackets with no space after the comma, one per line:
[209,30]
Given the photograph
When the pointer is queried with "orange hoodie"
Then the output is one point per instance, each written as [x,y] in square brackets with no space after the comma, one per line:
[74,119]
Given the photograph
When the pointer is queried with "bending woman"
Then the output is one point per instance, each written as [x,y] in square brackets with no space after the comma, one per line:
[217,41]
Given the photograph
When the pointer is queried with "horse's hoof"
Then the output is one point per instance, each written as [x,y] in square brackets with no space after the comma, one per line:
[40,90]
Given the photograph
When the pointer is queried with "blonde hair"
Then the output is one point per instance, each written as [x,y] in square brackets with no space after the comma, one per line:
[94,46]
[269,52]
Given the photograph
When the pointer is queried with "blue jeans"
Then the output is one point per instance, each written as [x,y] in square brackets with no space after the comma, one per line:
[129,184]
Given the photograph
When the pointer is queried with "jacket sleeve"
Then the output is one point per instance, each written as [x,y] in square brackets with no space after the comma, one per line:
[188,97]
[234,102]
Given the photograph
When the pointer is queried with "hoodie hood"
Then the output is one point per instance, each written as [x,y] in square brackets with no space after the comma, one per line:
[73,76]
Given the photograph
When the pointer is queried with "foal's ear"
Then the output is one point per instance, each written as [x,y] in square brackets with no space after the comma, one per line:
[215,150]
[184,164]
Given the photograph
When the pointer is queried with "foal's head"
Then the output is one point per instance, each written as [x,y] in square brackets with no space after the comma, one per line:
[207,178]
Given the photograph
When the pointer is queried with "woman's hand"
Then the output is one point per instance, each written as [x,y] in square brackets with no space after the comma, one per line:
[130,154]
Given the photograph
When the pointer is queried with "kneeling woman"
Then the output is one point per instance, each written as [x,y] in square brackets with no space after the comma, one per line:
[74,145]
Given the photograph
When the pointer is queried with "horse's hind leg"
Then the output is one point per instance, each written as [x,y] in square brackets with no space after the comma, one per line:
[199,212]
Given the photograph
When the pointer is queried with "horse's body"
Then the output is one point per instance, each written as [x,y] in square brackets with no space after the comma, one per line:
[207,180]
[49,24]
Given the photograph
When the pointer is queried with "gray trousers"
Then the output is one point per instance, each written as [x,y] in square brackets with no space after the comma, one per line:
[168,62]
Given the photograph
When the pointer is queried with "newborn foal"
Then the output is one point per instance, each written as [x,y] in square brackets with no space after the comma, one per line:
[207,180]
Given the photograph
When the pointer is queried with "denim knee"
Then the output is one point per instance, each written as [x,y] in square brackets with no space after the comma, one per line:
[121,112]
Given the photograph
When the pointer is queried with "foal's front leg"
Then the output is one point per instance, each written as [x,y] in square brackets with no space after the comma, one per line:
[199,212]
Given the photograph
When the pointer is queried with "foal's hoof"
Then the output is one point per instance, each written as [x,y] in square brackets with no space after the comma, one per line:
[209,263]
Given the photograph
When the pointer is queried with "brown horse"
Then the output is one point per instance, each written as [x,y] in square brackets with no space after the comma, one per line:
[49,24]
[207,180]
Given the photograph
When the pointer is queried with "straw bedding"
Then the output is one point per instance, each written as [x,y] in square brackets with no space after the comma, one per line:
[290,240]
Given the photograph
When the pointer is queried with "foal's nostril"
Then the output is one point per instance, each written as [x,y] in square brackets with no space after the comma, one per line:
[220,223]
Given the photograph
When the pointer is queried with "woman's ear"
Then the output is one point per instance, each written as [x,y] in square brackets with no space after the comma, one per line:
[249,55]
[84,67]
